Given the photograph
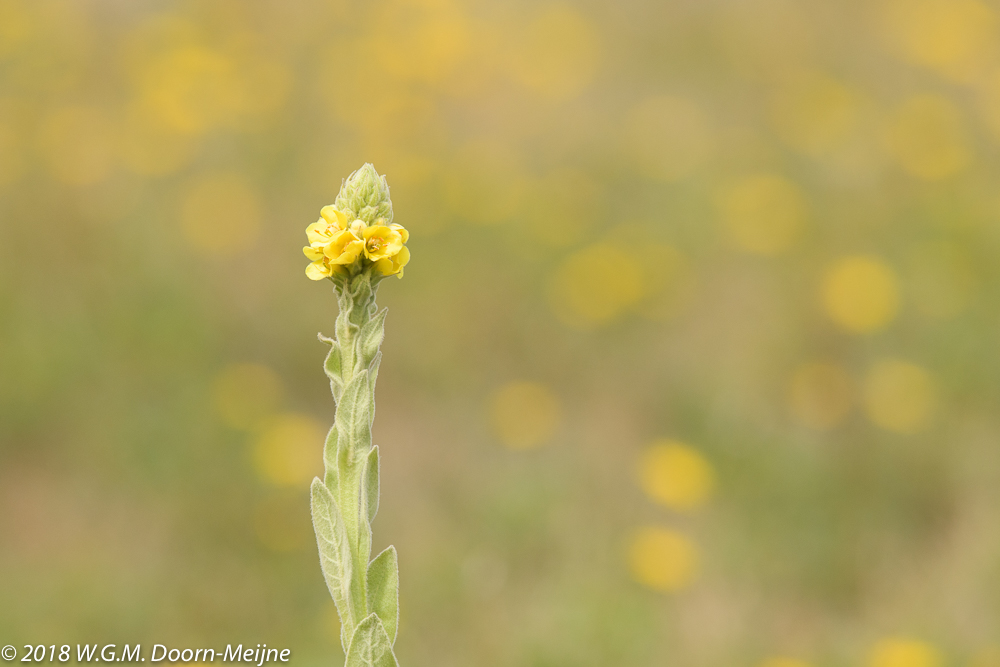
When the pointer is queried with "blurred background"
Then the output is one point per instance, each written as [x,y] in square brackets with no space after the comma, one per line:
[696,362]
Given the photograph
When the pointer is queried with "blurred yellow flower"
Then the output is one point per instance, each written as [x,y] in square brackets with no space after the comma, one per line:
[192,88]
[955,38]
[763,213]
[670,137]
[16,26]
[288,450]
[416,40]
[815,113]
[899,396]
[557,54]
[150,147]
[820,394]
[860,293]
[220,214]
[595,285]
[928,139]
[524,414]
[676,475]
[903,652]
[662,559]
[244,394]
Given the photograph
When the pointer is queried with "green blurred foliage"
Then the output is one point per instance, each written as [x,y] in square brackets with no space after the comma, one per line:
[767,229]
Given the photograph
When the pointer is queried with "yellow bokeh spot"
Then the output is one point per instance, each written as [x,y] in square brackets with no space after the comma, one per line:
[814,113]
[193,88]
[524,414]
[670,137]
[595,286]
[220,214]
[763,213]
[860,293]
[820,394]
[280,522]
[941,282]
[899,396]
[903,652]
[782,661]
[77,144]
[289,450]
[16,26]
[150,147]
[662,559]
[676,475]
[928,139]
[557,54]
[421,41]
[244,394]
[952,37]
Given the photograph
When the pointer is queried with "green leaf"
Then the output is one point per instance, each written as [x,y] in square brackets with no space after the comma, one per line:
[383,591]
[372,376]
[334,552]
[354,418]
[369,493]
[371,335]
[370,646]
[331,479]
[332,366]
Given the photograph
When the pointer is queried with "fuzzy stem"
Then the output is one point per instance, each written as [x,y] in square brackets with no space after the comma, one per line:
[345,502]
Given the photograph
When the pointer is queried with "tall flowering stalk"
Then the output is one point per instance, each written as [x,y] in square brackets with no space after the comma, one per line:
[355,245]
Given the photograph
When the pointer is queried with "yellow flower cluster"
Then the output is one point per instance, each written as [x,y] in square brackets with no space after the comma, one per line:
[336,243]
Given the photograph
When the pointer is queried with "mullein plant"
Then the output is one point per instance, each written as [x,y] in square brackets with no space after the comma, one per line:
[355,245]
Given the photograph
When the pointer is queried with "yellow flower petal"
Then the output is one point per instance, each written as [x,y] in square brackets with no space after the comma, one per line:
[317,271]
[381,242]
[336,218]
[314,253]
[319,232]
[344,248]
[402,231]
[394,265]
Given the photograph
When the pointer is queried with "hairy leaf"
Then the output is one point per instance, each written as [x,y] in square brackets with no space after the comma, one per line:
[371,335]
[383,591]
[370,646]
[334,552]
[369,492]
[353,419]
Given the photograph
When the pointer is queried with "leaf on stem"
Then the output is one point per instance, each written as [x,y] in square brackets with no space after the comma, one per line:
[370,646]
[369,493]
[354,418]
[383,591]
[334,552]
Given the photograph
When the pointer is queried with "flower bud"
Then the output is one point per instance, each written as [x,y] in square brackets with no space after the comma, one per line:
[365,195]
